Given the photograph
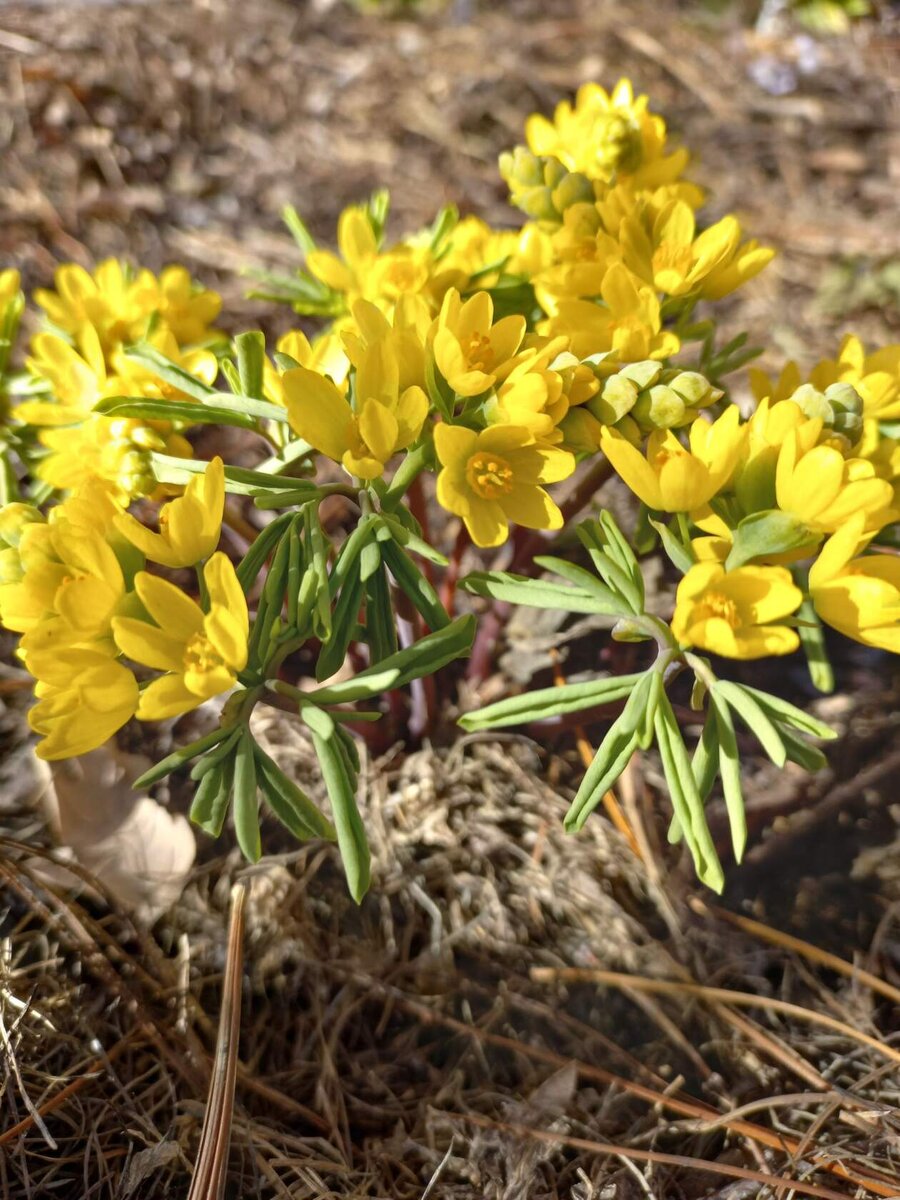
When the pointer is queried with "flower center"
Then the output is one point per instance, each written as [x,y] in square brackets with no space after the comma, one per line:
[715,604]
[479,352]
[201,656]
[489,476]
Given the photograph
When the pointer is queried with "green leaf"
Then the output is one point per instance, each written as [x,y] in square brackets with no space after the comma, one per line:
[413,584]
[786,713]
[251,361]
[534,593]
[810,758]
[251,564]
[768,533]
[730,772]
[612,757]
[341,787]
[705,763]
[424,657]
[212,757]
[685,797]
[289,802]
[582,579]
[349,553]
[753,716]
[299,232]
[183,412]
[381,628]
[344,621]
[318,548]
[812,639]
[410,540]
[677,553]
[179,758]
[163,368]
[246,804]
[550,702]
[210,804]
[239,481]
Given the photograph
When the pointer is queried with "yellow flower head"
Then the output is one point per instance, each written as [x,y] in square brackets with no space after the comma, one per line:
[671,477]
[474,246]
[189,527]
[75,374]
[116,301]
[364,272]
[83,697]
[201,653]
[186,310]
[608,135]
[663,247]
[532,393]
[382,350]
[365,439]
[496,477]
[629,323]
[67,582]
[735,613]
[470,351]
[859,596]
[823,489]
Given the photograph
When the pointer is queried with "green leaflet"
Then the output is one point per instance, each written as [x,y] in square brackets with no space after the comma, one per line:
[246,805]
[536,593]
[549,702]
[179,758]
[730,773]
[341,787]
[211,799]
[289,802]
[753,716]
[251,361]
[413,584]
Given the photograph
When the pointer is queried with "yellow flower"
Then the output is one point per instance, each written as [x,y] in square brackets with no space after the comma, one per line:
[76,374]
[363,441]
[70,579]
[364,272]
[672,478]
[186,310]
[823,489]
[629,323]
[875,376]
[116,301]
[389,356]
[470,351]
[201,653]
[860,597]
[730,613]
[606,136]
[83,697]
[667,251]
[474,247]
[189,527]
[10,284]
[532,394]
[494,477]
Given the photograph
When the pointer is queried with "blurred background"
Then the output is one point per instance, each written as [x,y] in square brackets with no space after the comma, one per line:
[179,130]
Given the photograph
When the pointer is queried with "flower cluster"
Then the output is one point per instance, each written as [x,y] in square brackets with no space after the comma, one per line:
[498,362]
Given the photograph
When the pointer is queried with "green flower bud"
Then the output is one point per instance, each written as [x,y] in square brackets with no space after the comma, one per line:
[541,186]
[694,389]
[659,407]
[618,397]
[581,431]
[643,374]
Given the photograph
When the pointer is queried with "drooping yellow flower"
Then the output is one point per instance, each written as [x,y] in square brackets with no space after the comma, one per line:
[736,613]
[362,440]
[858,596]
[201,653]
[629,323]
[189,527]
[823,489]
[496,477]
[83,697]
[672,477]
[389,355]
[608,136]
[470,351]
[76,375]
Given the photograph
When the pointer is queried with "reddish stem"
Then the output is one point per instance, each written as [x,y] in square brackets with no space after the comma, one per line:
[451,575]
